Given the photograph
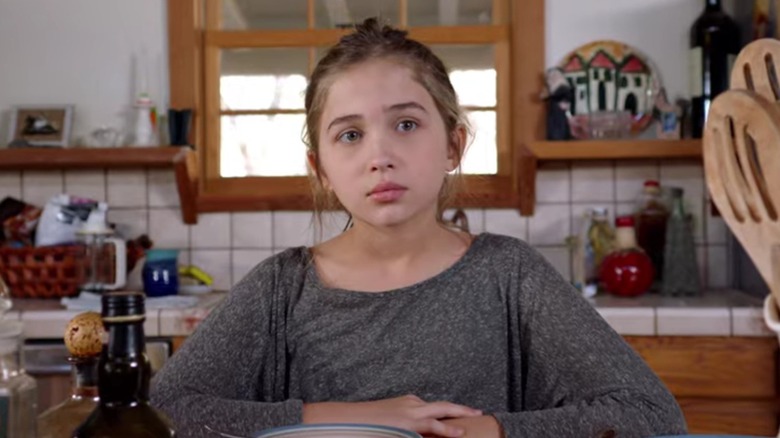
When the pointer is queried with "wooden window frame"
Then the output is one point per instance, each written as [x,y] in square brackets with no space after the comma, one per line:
[194,45]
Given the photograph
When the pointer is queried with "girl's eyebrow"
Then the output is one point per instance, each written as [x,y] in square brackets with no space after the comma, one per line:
[391,108]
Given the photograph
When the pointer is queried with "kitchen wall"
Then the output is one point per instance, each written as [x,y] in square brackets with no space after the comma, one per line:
[78,52]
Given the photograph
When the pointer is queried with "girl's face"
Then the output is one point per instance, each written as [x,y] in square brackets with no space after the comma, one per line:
[383,148]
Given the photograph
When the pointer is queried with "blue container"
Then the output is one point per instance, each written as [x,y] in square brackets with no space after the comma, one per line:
[161,272]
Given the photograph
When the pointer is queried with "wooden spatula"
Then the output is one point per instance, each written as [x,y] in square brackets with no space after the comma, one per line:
[742,156]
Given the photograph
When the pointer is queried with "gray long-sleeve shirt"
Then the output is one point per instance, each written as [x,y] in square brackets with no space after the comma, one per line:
[500,331]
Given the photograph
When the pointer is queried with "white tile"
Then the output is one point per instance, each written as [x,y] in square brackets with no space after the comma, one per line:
[717,230]
[625,208]
[690,177]
[10,185]
[553,183]
[550,224]
[252,230]
[39,186]
[89,184]
[693,321]
[162,189]
[560,258]
[333,223]
[127,188]
[292,228]
[130,223]
[630,177]
[507,222]
[167,230]
[475,217]
[592,181]
[701,262]
[717,267]
[749,321]
[211,231]
[637,321]
[217,263]
[244,260]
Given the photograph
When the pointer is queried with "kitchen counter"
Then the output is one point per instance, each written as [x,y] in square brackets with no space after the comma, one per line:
[715,313]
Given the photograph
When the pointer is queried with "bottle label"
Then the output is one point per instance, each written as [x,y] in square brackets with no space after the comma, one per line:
[695,69]
[4,417]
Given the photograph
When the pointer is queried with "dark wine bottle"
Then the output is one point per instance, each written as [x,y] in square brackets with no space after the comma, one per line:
[715,42]
[123,376]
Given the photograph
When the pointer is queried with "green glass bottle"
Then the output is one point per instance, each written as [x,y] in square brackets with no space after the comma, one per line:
[123,376]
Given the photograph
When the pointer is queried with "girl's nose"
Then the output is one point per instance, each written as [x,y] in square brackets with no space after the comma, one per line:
[381,162]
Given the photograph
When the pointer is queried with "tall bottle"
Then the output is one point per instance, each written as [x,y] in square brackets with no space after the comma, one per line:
[714,44]
[601,241]
[123,376]
[18,391]
[651,217]
[681,271]
[83,337]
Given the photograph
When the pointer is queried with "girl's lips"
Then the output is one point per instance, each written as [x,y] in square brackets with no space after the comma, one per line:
[389,195]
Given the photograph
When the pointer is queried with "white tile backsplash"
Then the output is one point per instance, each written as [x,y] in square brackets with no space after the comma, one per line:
[40,186]
[550,225]
[244,260]
[553,183]
[592,181]
[162,188]
[717,274]
[211,231]
[10,185]
[217,263]
[130,223]
[252,230]
[89,184]
[126,188]
[167,230]
[293,228]
[631,176]
[507,222]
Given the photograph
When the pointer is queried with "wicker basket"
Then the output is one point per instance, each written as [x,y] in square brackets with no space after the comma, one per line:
[43,272]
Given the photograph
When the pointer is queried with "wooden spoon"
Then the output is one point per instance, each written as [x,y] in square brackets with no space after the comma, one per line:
[741,148]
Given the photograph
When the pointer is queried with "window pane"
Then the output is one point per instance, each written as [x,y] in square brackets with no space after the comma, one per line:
[263,78]
[481,153]
[450,12]
[263,146]
[472,72]
[345,13]
[264,14]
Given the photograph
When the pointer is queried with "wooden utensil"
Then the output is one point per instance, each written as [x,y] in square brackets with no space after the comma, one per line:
[741,148]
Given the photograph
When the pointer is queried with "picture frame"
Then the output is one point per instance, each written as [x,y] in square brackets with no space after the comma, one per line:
[41,125]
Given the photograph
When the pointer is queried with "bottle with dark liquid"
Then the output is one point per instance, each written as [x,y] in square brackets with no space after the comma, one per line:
[715,43]
[651,216]
[123,376]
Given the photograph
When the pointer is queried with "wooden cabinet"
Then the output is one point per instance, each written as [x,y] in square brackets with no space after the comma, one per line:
[723,384]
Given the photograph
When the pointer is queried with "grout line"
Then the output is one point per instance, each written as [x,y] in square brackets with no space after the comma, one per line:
[21,185]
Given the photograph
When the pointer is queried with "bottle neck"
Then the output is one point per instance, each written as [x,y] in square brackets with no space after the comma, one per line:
[678,207]
[10,358]
[84,375]
[625,238]
[124,368]
[712,5]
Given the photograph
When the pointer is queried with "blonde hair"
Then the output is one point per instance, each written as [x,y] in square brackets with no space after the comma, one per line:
[371,41]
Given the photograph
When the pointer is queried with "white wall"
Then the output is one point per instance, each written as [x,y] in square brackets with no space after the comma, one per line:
[79,52]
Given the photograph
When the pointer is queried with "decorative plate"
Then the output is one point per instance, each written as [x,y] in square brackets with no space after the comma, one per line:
[336,431]
[609,76]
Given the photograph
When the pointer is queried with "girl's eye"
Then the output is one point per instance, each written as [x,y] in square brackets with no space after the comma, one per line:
[407,125]
[349,137]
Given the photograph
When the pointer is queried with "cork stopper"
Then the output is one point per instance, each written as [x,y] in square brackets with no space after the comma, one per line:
[84,334]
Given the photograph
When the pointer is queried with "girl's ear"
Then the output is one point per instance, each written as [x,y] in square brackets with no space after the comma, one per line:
[311,157]
[456,147]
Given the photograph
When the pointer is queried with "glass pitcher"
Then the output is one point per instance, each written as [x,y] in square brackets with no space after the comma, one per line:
[105,256]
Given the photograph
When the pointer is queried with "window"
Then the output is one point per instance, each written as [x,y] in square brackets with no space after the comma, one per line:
[243,66]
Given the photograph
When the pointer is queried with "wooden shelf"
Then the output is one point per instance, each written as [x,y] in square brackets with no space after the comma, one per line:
[615,149]
[35,158]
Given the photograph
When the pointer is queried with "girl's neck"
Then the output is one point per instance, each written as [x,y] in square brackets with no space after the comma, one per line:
[396,244]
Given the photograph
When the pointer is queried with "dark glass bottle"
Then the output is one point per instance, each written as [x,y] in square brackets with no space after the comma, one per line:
[123,376]
[715,42]
[59,421]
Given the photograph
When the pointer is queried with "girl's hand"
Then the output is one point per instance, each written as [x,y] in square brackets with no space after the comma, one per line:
[485,426]
[407,412]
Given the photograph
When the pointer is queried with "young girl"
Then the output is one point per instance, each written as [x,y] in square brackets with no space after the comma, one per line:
[401,320]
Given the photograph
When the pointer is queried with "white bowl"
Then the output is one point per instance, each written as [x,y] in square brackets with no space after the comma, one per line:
[336,431]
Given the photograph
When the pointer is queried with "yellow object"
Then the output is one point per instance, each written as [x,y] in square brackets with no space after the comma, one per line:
[197,273]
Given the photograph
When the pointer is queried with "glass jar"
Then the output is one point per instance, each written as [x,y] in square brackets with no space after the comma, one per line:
[601,240]
[18,391]
[60,421]
[161,272]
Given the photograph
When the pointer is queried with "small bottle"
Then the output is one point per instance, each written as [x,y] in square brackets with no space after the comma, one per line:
[83,337]
[18,391]
[627,271]
[145,133]
[681,271]
[651,217]
[601,241]
[123,376]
